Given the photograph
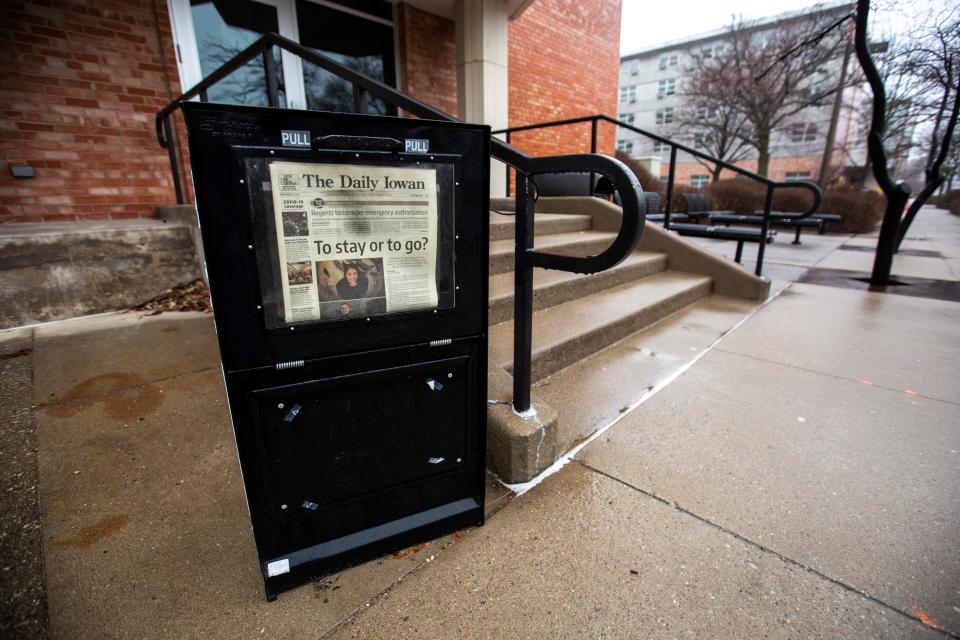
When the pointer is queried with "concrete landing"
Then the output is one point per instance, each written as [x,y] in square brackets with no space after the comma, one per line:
[52,271]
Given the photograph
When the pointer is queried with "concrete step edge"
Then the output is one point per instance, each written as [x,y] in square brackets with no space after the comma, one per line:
[545,224]
[546,295]
[577,344]
[579,243]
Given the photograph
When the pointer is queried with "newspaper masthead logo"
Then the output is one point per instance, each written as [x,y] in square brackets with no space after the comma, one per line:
[295,138]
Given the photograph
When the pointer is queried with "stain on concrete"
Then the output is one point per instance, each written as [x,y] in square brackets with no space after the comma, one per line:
[922,616]
[16,354]
[123,395]
[91,534]
[170,329]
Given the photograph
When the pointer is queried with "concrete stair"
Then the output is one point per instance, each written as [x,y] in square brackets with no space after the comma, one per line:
[571,331]
[501,226]
[579,318]
[569,243]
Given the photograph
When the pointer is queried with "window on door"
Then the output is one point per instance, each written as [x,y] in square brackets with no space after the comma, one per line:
[364,44]
[222,30]
[355,33]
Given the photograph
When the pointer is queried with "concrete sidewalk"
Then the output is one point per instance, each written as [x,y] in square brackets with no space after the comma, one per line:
[800,480]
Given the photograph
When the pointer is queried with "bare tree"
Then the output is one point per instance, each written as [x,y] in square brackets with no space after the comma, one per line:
[907,108]
[717,127]
[769,75]
[933,62]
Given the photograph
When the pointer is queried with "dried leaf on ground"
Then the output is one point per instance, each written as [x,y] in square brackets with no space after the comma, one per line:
[190,296]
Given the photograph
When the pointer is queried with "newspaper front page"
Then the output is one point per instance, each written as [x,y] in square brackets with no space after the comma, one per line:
[354,240]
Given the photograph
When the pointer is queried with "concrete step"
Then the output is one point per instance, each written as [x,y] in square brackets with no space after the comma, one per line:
[502,226]
[569,332]
[637,364]
[555,287]
[582,243]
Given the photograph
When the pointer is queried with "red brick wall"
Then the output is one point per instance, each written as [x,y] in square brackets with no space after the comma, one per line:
[777,171]
[564,62]
[83,79]
[81,83]
[428,57]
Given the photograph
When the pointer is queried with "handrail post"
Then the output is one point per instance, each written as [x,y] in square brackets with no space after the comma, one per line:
[172,154]
[593,149]
[361,100]
[668,209]
[270,70]
[506,167]
[523,295]
[764,229]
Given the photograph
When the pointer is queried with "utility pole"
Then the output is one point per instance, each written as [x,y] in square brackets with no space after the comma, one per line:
[834,116]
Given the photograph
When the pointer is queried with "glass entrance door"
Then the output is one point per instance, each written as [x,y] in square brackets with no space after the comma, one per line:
[354,33]
[224,28]
[362,42]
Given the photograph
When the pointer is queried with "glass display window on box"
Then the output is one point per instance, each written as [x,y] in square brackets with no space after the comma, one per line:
[340,241]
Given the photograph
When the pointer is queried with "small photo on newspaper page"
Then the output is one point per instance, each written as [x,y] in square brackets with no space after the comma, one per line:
[354,240]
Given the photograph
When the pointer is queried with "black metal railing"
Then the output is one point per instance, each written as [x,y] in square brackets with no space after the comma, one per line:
[771,185]
[526,258]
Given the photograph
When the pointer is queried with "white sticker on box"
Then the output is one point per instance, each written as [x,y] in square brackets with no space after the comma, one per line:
[278,567]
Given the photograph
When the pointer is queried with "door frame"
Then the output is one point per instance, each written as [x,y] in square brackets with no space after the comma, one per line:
[188,55]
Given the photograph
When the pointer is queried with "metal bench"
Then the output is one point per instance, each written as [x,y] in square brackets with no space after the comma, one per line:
[823,217]
[655,212]
[700,205]
[776,219]
[738,234]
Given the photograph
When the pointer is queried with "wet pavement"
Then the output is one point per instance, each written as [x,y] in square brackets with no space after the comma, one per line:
[800,480]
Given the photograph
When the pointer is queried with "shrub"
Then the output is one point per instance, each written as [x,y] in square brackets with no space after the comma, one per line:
[648,181]
[949,200]
[737,194]
[862,210]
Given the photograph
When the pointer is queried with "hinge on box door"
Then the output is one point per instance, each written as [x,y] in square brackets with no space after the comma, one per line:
[293,364]
[441,343]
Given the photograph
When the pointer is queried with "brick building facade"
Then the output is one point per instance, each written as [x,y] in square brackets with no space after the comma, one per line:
[83,80]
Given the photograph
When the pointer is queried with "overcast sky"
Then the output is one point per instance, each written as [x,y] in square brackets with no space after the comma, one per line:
[647,23]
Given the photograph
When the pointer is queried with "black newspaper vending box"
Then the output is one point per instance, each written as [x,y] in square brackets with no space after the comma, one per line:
[347,261]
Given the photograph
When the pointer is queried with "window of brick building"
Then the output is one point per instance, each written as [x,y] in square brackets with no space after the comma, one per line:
[803,132]
[793,176]
[699,182]
[628,93]
[625,146]
[669,60]
[667,88]
[626,117]
[665,116]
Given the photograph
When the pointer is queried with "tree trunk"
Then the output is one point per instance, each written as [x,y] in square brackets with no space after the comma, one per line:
[763,151]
